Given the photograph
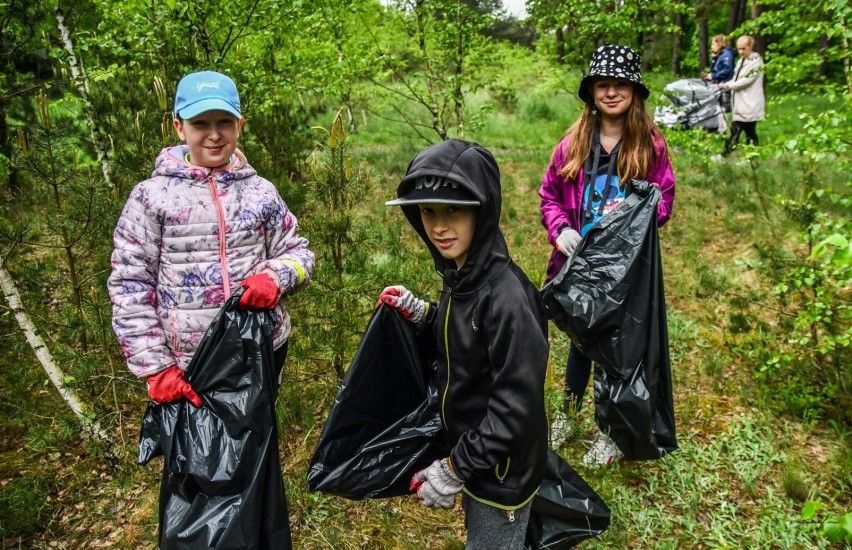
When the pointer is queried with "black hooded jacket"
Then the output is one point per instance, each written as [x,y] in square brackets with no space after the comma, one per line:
[491,341]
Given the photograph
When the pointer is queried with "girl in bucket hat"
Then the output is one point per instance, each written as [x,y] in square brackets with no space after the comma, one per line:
[612,142]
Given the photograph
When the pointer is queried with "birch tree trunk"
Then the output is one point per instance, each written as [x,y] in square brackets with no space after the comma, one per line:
[82,83]
[90,427]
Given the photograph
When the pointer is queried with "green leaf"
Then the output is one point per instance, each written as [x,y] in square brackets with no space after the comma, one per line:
[837,240]
[810,509]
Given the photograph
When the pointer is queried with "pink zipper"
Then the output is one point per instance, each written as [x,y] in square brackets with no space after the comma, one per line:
[223,241]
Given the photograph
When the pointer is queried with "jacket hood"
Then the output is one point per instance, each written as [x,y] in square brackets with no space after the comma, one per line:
[171,162]
[472,167]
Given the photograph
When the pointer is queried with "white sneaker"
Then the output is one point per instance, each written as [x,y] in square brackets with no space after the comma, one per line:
[604,452]
[560,430]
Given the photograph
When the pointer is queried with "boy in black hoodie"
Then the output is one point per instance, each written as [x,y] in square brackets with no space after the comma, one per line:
[490,338]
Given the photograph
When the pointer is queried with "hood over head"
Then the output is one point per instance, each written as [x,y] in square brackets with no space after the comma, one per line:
[468,173]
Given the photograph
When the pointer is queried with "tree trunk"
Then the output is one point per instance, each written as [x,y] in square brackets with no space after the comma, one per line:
[703,39]
[736,15]
[6,150]
[458,93]
[759,42]
[90,427]
[823,66]
[647,42]
[676,56]
[82,83]
[560,46]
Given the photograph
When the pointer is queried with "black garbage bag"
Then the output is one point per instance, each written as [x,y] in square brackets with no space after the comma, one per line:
[609,299]
[385,419]
[565,510]
[222,485]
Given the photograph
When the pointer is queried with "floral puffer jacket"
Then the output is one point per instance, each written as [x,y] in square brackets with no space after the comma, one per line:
[171,271]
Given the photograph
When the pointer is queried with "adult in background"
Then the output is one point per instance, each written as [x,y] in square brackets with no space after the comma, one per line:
[721,70]
[748,102]
[722,64]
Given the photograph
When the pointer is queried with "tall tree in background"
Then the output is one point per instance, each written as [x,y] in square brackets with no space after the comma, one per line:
[549,19]
[587,24]
[810,40]
[81,84]
[283,58]
[25,67]
[736,15]
[677,36]
[442,58]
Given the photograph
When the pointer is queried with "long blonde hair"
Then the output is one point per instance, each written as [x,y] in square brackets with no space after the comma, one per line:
[637,153]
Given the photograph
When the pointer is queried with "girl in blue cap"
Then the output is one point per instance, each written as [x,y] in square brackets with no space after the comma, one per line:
[203,225]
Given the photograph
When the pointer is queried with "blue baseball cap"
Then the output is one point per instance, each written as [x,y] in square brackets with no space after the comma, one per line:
[206,91]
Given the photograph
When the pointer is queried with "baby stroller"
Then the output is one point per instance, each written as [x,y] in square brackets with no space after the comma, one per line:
[695,104]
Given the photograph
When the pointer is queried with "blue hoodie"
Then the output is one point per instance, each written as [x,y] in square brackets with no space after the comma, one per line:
[722,65]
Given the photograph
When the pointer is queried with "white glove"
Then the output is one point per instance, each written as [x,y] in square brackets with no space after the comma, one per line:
[438,485]
[412,308]
[567,241]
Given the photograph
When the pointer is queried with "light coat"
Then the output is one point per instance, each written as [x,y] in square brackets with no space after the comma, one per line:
[171,271]
[748,103]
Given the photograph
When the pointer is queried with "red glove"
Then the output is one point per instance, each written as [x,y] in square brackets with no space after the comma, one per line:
[169,386]
[400,298]
[261,292]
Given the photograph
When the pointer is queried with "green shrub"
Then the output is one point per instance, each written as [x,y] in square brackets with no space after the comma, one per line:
[22,502]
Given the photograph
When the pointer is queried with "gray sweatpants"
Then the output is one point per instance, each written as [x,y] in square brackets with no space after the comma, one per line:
[490,528]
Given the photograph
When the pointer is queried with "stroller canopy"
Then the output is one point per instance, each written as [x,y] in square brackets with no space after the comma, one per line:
[694,104]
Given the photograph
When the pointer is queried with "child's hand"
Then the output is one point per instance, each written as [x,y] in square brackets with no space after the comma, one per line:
[261,292]
[437,485]
[567,241]
[398,297]
[168,386]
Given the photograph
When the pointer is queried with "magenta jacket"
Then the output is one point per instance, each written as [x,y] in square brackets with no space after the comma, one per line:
[562,201]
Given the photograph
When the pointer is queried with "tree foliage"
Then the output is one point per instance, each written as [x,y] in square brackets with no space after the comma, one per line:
[432,54]
[435,68]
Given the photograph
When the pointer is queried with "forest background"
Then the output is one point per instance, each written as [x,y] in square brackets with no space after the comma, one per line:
[338,97]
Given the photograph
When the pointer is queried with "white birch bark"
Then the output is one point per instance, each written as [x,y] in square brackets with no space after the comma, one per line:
[82,83]
[91,427]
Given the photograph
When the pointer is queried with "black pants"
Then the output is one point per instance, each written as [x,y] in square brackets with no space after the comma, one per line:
[737,127]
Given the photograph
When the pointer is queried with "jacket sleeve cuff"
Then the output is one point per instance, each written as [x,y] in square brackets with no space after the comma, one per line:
[457,468]
[429,317]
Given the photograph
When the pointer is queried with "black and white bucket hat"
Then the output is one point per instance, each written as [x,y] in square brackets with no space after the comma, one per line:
[613,62]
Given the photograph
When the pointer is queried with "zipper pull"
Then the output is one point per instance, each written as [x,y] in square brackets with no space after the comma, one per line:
[510,515]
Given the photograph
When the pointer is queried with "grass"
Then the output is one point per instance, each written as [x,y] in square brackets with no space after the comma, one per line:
[739,479]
